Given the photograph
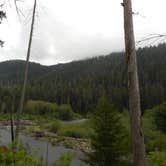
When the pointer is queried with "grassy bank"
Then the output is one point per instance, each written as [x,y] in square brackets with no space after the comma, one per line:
[77,135]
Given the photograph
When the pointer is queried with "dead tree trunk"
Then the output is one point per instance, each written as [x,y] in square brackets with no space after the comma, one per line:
[12,121]
[25,74]
[133,88]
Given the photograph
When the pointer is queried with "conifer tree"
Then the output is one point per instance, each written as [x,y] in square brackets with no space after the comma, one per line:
[108,139]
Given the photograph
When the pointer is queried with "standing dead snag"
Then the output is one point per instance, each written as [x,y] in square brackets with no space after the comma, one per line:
[12,119]
[133,88]
[26,73]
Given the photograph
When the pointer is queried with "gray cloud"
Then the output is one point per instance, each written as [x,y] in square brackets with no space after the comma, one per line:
[65,33]
[69,44]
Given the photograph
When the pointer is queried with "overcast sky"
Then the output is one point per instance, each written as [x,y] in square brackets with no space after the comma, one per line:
[67,30]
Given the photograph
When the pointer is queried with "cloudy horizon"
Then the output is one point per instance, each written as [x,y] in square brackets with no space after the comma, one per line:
[76,29]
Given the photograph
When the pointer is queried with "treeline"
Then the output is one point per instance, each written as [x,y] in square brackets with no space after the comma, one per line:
[81,83]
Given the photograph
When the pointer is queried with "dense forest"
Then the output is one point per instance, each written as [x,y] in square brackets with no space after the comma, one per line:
[81,83]
[108,110]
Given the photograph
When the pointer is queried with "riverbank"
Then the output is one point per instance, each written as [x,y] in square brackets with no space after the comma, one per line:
[41,149]
[70,134]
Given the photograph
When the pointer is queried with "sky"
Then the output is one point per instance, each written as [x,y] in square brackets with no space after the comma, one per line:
[67,30]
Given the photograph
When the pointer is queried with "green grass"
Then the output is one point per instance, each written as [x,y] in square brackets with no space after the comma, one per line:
[20,157]
[76,130]
[4,116]
[61,128]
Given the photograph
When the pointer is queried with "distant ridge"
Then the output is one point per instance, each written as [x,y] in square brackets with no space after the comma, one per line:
[80,83]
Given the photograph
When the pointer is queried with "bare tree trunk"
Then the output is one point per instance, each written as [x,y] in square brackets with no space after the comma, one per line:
[133,88]
[26,73]
[11,121]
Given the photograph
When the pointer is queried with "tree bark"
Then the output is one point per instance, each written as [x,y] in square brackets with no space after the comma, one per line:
[25,74]
[133,88]
[11,121]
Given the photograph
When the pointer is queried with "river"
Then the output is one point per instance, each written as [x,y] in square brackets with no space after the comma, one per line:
[40,148]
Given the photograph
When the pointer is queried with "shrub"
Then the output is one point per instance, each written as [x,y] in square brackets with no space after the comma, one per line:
[65,112]
[54,127]
[154,139]
[156,158]
[160,117]
[40,107]
[20,157]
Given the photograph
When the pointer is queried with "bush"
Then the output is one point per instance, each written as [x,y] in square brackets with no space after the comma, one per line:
[19,157]
[40,107]
[156,158]
[154,139]
[65,112]
[54,127]
[160,117]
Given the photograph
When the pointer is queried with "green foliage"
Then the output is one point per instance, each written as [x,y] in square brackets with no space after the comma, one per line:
[81,83]
[108,140]
[54,126]
[6,98]
[76,130]
[20,157]
[40,107]
[64,160]
[160,117]
[65,112]
[156,158]
[154,139]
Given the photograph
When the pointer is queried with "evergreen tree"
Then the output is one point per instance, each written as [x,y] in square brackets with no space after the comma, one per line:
[81,83]
[160,117]
[108,139]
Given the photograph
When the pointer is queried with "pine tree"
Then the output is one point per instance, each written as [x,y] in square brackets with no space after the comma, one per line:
[107,140]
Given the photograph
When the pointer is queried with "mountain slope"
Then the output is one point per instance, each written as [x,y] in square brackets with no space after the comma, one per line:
[81,83]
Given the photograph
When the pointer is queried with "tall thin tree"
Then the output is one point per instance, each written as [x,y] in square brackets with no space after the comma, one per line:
[11,119]
[26,72]
[133,87]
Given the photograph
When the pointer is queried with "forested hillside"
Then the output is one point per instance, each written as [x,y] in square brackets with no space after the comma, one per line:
[81,83]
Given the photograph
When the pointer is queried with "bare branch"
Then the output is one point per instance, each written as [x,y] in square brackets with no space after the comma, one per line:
[17,10]
[151,39]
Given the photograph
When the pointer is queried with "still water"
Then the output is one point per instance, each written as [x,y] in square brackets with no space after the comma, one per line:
[40,148]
